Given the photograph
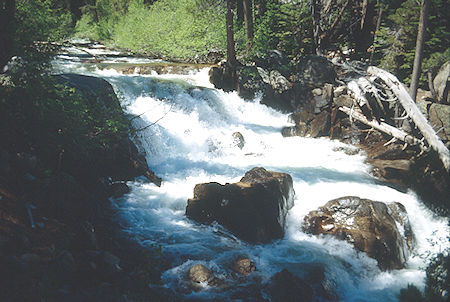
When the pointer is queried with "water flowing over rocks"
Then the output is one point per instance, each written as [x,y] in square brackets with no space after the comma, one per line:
[243,266]
[370,226]
[253,209]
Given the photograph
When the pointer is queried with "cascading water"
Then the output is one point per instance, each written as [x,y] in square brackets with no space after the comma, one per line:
[185,127]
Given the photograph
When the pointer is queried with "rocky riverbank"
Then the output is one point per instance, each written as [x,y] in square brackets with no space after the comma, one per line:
[314,90]
[59,238]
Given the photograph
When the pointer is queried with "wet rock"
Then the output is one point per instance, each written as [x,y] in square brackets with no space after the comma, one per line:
[222,77]
[441,83]
[31,258]
[214,56]
[316,70]
[110,262]
[320,125]
[274,59]
[199,273]
[368,225]
[297,130]
[238,140]
[439,117]
[65,262]
[5,158]
[120,159]
[314,274]
[249,82]
[244,266]
[278,82]
[286,287]
[253,209]
[118,189]
[398,212]
[323,98]
[62,197]
[86,237]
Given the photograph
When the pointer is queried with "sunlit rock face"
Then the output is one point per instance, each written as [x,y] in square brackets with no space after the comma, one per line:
[382,231]
[253,209]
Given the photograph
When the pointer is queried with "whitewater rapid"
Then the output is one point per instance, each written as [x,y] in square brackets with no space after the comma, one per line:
[185,128]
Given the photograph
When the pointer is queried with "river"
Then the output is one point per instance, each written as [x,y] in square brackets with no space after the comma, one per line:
[185,128]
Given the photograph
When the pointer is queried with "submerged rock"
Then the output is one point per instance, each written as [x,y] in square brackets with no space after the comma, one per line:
[244,266]
[286,287]
[371,226]
[238,140]
[253,209]
[199,273]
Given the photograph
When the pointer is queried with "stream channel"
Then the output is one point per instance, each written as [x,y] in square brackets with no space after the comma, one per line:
[190,141]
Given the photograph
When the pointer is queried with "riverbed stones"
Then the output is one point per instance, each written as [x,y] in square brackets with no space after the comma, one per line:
[244,266]
[199,273]
[238,140]
[253,209]
[370,226]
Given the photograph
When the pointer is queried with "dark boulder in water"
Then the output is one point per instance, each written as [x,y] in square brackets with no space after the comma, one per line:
[371,226]
[253,209]
[286,287]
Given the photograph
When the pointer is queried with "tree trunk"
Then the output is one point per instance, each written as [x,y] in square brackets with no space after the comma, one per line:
[248,19]
[7,10]
[315,14]
[419,49]
[240,11]
[380,14]
[231,52]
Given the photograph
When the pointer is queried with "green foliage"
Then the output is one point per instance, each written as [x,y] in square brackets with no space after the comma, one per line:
[41,21]
[284,26]
[396,40]
[100,18]
[176,29]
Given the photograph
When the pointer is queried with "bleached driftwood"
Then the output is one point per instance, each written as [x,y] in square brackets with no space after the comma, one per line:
[383,127]
[414,113]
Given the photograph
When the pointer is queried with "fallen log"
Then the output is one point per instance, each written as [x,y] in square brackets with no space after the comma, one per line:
[414,113]
[383,127]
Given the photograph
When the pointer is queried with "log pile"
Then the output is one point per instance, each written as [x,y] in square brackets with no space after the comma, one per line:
[383,103]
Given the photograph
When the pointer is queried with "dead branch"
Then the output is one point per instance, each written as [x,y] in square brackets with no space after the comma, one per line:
[414,113]
[383,127]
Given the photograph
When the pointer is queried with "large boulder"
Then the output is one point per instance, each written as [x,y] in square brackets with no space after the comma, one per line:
[315,71]
[439,117]
[371,226]
[253,209]
[119,158]
[441,83]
